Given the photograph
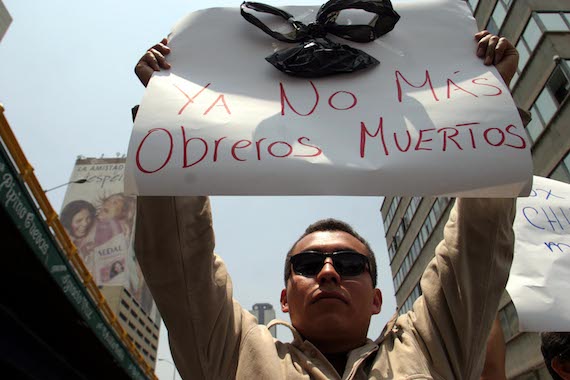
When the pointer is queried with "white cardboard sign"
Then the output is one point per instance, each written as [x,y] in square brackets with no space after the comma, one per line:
[431,119]
[538,283]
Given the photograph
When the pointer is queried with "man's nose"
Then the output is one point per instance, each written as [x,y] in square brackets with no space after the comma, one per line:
[328,272]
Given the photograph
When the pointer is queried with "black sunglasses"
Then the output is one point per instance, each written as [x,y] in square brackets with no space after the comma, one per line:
[346,263]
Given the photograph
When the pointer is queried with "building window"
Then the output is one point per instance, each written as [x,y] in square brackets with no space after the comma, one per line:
[404,225]
[473,4]
[538,24]
[391,212]
[562,171]
[498,17]
[553,22]
[549,100]
[559,84]
[122,316]
[509,321]
[409,302]
[125,305]
[437,210]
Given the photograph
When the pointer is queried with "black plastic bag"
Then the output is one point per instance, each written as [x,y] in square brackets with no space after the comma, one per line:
[317,56]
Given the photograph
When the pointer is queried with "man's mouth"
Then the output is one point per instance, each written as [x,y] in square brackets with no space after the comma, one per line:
[329,295]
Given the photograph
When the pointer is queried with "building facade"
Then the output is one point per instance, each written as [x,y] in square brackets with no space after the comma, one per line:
[5,20]
[264,313]
[540,29]
[100,220]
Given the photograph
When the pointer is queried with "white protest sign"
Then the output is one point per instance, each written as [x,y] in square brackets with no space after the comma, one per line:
[539,281]
[431,119]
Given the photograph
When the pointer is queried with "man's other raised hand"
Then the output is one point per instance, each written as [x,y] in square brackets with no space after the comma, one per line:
[153,60]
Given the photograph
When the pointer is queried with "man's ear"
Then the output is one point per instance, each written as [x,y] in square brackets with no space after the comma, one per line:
[377,301]
[284,304]
[562,368]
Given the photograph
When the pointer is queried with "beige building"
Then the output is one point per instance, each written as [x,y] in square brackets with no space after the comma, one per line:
[140,327]
[5,20]
[414,225]
[100,220]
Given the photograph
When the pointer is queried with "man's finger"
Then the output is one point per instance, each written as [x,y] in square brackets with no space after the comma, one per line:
[160,59]
[482,45]
[481,34]
[502,45]
[150,60]
[490,54]
[162,48]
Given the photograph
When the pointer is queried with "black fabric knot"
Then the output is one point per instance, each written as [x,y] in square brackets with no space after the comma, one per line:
[317,55]
[316,30]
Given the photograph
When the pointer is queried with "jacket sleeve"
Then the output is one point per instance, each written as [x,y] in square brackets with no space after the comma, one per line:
[174,245]
[463,284]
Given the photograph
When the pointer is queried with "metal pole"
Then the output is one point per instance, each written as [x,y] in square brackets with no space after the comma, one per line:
[78,181]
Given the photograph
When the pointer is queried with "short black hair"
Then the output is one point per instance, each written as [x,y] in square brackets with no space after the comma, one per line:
[554,344]
[332,225]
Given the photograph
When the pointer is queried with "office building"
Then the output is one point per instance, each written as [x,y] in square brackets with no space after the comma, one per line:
[5,20]
[100,220]
[540,29]
[264,313]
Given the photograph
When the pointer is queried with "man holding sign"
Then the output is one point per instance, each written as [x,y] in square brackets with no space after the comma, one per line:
[330,293]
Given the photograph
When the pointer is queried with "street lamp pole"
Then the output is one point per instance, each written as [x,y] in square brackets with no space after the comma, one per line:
[173,365]
[78,181]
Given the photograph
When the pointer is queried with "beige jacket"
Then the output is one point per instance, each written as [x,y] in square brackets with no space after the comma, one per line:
[213,337]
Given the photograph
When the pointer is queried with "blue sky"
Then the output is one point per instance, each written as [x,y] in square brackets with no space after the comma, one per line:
[67,84]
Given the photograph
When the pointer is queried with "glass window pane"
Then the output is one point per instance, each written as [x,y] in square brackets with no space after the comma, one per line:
[546,105]
[433,219]
[523,54]
[499,15]
[553,22]
[473,4]
[535,127]
[514,80]
[532,34]
[558,84]
[562,171]
[492,27]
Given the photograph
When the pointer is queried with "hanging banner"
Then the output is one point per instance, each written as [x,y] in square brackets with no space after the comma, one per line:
[538,284]
[100,220]
[430,119]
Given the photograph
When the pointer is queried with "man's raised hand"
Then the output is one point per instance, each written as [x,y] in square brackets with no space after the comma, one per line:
[153,60]
[498,51]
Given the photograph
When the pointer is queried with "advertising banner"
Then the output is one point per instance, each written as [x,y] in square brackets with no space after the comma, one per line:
[431,119]
[538,283]
[100,219]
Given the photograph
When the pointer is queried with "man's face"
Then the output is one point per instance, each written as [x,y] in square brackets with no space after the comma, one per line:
[331,311]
